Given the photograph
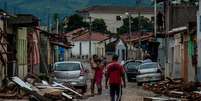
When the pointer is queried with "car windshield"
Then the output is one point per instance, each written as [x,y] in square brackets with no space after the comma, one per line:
[132,65]
[67,67]
[148,66]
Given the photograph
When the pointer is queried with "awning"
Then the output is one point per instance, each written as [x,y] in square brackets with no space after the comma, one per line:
[177,30]
[61,44]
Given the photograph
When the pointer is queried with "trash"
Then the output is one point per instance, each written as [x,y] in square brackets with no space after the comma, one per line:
[44,82]
[158,99]
[176,89]
[67,88]
[66,95]
[21,83]
[33,88]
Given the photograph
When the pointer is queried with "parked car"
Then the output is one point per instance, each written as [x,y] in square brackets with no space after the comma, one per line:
[131,69]
[149,72]
[72,72]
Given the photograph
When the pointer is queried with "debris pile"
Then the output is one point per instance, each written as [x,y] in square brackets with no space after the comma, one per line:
[34,89]
[176,89]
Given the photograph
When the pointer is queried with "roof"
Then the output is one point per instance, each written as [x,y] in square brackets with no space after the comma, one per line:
[22,19]
[177,30]
[135,36]
[95,36]
[71,33]
[61,44]
[116,9]
[68,62]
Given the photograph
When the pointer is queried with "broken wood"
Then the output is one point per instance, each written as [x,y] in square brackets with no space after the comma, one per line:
[67,88]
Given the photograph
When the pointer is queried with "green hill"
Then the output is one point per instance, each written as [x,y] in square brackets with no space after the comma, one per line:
[43,8]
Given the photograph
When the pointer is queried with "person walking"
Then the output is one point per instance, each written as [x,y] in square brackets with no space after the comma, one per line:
[93,63]
[115,74]
[99,76]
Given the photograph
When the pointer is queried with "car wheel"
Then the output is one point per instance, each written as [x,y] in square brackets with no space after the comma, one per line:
[139,83]
[84,89]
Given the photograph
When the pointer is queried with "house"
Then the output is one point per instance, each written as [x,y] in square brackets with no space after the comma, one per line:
[81,42]
[48,41]
[117,47]
[3,45]
[178,42]
[137,44]
[114,15]
[25,48]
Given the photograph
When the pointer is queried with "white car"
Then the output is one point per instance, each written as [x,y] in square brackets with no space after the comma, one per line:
[72,72]
[149,72]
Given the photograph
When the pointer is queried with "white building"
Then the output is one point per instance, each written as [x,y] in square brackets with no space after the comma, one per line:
[114,15]
[81,45]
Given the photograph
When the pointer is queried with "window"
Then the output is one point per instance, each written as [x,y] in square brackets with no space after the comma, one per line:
[118,18]
[149,66]
[132,65]
[67,67]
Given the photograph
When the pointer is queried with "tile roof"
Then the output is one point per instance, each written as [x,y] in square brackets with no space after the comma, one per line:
[24,19]
[135,36]
[95,36]
[116,9]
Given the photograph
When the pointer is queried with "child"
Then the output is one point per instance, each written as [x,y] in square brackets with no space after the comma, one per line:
[99,76]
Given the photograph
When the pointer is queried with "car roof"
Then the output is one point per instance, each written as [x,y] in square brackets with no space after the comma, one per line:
[133,61]
[68,62]
[149,63]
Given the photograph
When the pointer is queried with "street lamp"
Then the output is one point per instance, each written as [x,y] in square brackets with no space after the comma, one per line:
[155,18]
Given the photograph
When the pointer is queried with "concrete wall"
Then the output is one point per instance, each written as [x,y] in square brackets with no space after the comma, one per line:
[2,67]
[181,15]
[199,41]
[111,21]
[161,52]
[120,47]
[84,48]
[22,51]
[100,49]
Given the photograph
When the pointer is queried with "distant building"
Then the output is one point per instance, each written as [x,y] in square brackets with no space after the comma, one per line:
[81,44]
[114,15]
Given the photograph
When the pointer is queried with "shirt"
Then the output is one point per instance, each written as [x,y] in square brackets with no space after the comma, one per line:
[115,72]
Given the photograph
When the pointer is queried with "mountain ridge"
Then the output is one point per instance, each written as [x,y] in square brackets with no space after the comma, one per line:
[45,8]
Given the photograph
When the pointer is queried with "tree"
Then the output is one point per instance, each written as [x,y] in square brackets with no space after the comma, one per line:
[56,19]
[137,24]
[75,21]
[98,25]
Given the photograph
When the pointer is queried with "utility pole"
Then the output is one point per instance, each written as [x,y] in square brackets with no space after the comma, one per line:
[139,31]
[90,30]
[130,32]
[166,10]
[129,16]
[155,19]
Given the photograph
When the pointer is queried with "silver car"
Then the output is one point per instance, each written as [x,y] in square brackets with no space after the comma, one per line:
[149,72]
[72,72]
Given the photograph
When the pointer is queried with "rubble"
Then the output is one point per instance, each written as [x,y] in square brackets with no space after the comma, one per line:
[176,89]
[32,88]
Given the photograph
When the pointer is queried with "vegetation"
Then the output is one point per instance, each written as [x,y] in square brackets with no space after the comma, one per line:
[137,24]
[76,21]
[98,25]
